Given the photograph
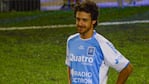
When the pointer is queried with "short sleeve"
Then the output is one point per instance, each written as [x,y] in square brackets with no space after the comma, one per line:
[67,61]
[113,57]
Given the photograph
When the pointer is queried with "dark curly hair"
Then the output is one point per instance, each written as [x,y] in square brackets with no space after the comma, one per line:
[89,7]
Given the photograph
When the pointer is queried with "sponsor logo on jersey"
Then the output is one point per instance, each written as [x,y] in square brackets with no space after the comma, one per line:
[81,77]
[82,59]
[81,74]
[78,80]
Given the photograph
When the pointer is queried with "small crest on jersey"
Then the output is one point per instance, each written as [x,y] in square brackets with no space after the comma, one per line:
[91,51]
[81,47]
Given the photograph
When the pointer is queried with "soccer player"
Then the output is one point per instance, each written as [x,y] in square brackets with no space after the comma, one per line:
[89,54]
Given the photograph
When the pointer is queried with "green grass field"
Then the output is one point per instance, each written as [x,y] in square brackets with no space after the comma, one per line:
[38,56]
[38,18]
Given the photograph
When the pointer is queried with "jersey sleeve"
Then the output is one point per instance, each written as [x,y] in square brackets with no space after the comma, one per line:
[67,61]
[113,57]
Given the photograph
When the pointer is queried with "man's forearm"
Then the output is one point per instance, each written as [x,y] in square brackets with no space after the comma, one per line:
[69,79]
[124,74]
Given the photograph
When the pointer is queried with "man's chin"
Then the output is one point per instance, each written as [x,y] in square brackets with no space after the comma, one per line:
[79,31]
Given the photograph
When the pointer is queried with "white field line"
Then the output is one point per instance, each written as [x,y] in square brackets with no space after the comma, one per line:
[124,22]
[73,25]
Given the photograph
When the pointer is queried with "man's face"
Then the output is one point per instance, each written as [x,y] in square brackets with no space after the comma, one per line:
[84,22]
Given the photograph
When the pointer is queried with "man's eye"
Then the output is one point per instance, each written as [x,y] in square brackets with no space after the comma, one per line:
[84,20]
[77,19]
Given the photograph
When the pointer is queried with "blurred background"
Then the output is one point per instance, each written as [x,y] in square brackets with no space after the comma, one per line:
[38,12]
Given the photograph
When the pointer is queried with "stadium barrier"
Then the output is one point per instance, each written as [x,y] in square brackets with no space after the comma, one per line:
[44,5]
[19,5]
[68,4]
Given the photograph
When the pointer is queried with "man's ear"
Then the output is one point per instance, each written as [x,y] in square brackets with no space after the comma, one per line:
[94,21]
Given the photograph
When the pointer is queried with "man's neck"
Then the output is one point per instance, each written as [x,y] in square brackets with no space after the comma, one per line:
[87,35]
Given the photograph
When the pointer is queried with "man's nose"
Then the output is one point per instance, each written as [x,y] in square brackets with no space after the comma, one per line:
[80,22]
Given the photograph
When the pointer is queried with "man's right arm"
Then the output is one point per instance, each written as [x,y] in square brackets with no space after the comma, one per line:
[124,74]
[69,78]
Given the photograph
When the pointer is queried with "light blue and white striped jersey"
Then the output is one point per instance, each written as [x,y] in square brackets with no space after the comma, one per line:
[90,59]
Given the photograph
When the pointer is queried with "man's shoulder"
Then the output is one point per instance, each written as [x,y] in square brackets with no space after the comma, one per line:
[100,37]
[73,36]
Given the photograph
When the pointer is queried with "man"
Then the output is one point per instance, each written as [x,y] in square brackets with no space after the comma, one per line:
[89,55]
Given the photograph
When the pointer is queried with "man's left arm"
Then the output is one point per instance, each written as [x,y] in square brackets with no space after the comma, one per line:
[124,74]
